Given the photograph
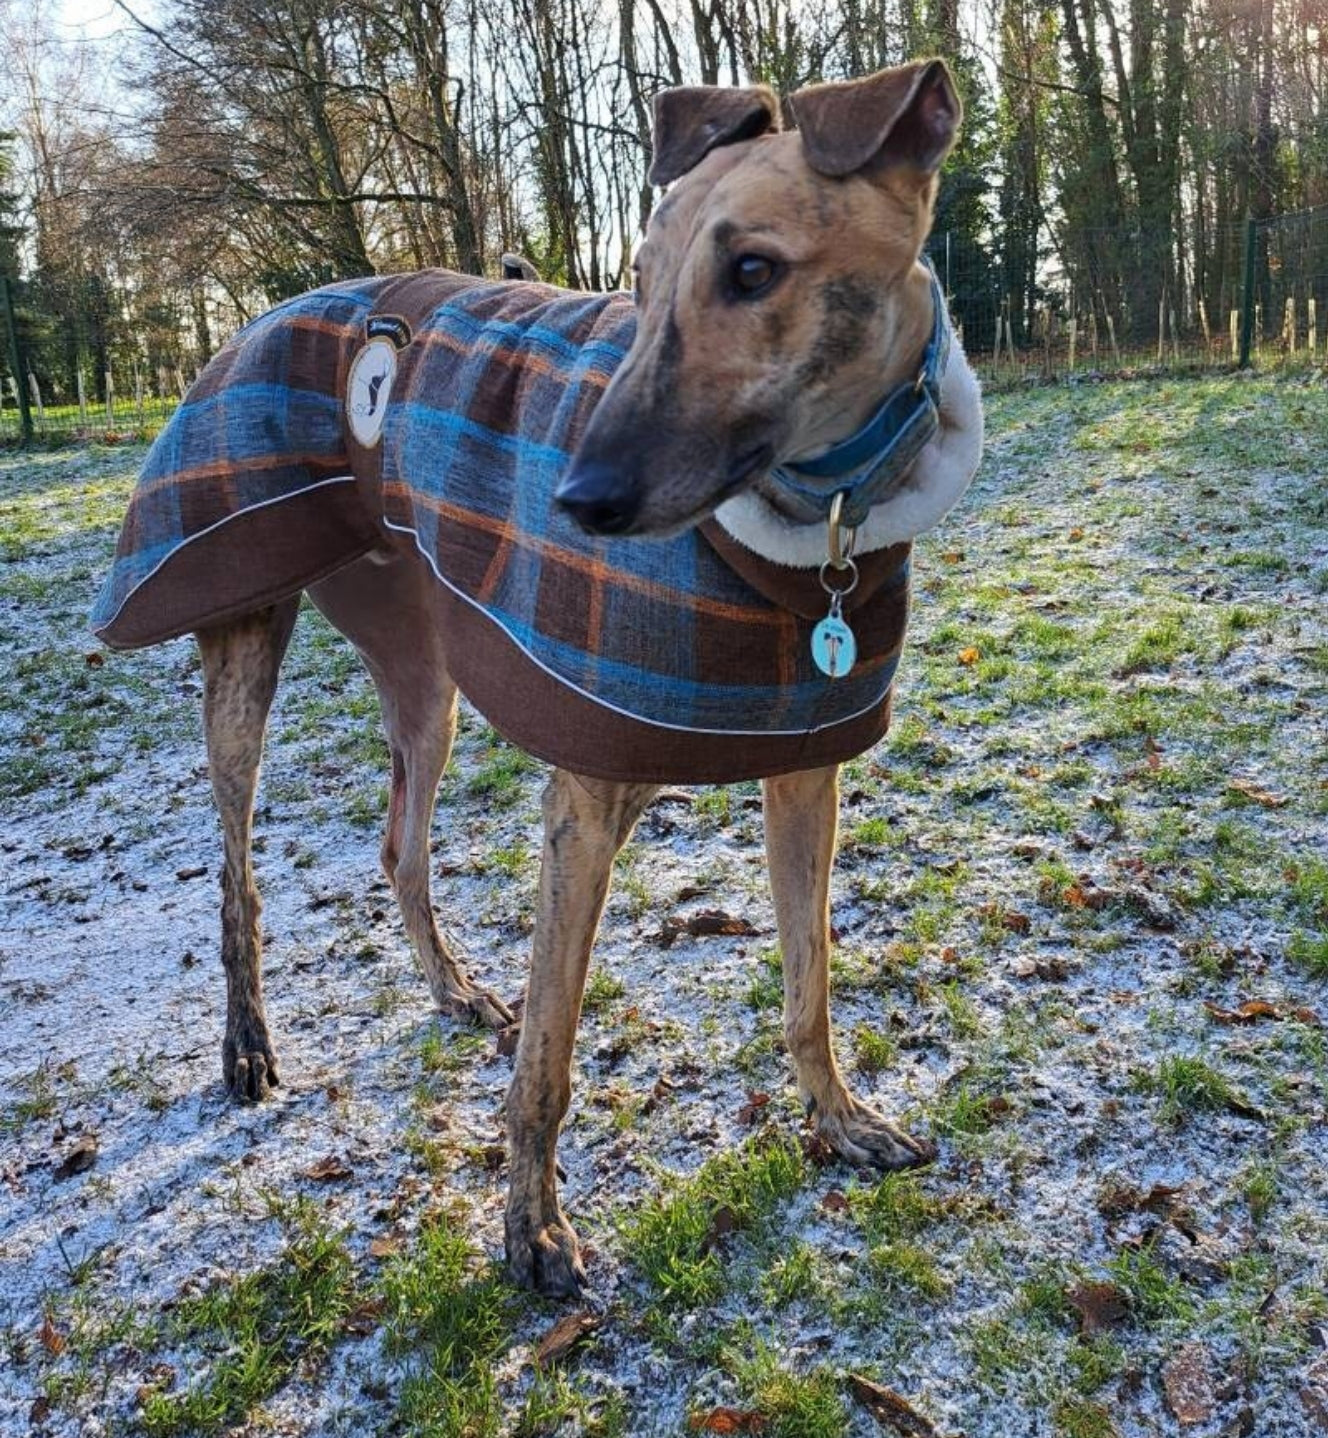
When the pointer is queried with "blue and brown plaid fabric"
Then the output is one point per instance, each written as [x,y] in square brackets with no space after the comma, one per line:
[691,635]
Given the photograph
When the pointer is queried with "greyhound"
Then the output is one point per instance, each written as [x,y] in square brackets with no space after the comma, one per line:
[780,292]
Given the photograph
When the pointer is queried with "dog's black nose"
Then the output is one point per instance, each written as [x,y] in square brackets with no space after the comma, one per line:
[599,497]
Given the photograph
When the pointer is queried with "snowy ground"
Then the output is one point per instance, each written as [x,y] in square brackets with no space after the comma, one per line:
[1099,829]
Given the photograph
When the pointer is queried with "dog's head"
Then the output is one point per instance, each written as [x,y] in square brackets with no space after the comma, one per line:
[779,290]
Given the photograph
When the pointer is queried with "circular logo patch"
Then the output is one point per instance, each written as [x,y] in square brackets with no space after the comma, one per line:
[371,374]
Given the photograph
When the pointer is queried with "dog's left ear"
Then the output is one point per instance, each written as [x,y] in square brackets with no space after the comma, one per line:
[907,115]
[695,119]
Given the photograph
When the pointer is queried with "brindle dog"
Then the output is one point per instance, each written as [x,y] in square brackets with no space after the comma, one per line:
[781,295]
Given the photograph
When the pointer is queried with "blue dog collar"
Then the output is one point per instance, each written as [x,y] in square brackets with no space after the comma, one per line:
[866,465]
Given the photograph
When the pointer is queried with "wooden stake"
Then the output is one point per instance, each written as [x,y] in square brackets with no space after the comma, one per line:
[1074,335]
[1313,338]
[1161,325]
[82,402]
[1289,325]
[35,390]
[110,401]
[1235,336]
[1111,335]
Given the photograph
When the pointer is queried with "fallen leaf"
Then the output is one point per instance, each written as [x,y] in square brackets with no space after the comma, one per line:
[953,556]
[50,1338]
[384,1246]
[727,1420]
[195,871]
[889,1407]
[79,1159]
[507,1040]
[688,892]
[1076,534]
[970,656]
[1246,1013]
[704,923]
[1188,1382]
[1120,1199]
[722,1222]
[40,1410]
[94,659]
[1257,795]
[751,1110]
[1100,1306]
[836,1201]
[362,1320]
[564,1336]
[328,1170]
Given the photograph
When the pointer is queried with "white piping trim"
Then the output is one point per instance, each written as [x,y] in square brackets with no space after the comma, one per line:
[184,543]
[604,703]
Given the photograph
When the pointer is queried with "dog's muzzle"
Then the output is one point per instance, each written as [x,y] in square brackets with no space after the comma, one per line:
[602,498]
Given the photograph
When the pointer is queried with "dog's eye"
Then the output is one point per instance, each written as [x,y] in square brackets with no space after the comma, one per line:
[751,274]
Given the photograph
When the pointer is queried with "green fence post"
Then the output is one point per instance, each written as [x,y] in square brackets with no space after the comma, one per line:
[1247,304]
[16,365]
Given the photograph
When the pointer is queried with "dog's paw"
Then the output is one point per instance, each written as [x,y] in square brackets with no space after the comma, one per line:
[544,1256]
[249,1067]
[477,1006]
[860,1135]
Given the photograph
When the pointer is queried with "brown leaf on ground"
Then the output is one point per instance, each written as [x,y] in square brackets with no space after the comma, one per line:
[705,923]
[507,1040]
[50,1338]
[1100,1306]
[723,1222]
[79,1159]
[1246,1013]
[1187,1380]
[751,1110]
[40,1410]
[969,656]
[558,1342]
[1314,1393]
[384,1246]
[94,659]
[1256,794]
[891,1408]
[727,1420]
[363,1319]
[1010,919]
[328,1169]
[1118,1198]
[836,1201]
[194,871]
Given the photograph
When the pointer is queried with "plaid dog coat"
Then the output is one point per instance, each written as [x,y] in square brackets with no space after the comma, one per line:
[437,413]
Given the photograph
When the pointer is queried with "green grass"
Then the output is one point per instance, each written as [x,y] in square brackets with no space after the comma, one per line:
[676,1236]
[255,1331]
[448,1317]
[1187,1083]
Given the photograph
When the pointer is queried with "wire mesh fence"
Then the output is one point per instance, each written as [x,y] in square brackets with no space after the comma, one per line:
[1112,303]
[1102,304]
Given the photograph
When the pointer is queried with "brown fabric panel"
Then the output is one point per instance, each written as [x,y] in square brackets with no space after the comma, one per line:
[800,590]
[258,557]
[537,713]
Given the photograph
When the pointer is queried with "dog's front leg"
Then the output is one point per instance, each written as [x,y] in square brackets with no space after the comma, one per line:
[801,819]
[586,822]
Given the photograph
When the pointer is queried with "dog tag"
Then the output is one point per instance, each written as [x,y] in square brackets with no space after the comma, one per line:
[833,646]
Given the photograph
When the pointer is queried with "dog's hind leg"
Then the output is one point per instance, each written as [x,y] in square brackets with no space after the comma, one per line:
[801,819]
[586,822]
[385,605]
[419,715]
[241,662]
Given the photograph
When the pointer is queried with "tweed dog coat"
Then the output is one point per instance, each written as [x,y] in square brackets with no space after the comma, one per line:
[436,413]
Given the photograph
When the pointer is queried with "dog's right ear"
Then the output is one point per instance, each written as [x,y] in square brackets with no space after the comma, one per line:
[695,119]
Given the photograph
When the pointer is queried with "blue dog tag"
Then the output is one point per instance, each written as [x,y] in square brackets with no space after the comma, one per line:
[833,647]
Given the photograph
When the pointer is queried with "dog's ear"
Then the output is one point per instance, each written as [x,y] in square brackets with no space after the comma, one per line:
[695,119]
[909,115]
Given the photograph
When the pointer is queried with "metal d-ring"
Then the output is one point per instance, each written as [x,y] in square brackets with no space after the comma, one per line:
[841,536]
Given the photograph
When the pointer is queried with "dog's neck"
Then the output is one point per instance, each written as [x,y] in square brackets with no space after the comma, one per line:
[770,522]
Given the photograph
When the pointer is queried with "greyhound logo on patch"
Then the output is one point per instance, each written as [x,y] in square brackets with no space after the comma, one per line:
[371,374]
